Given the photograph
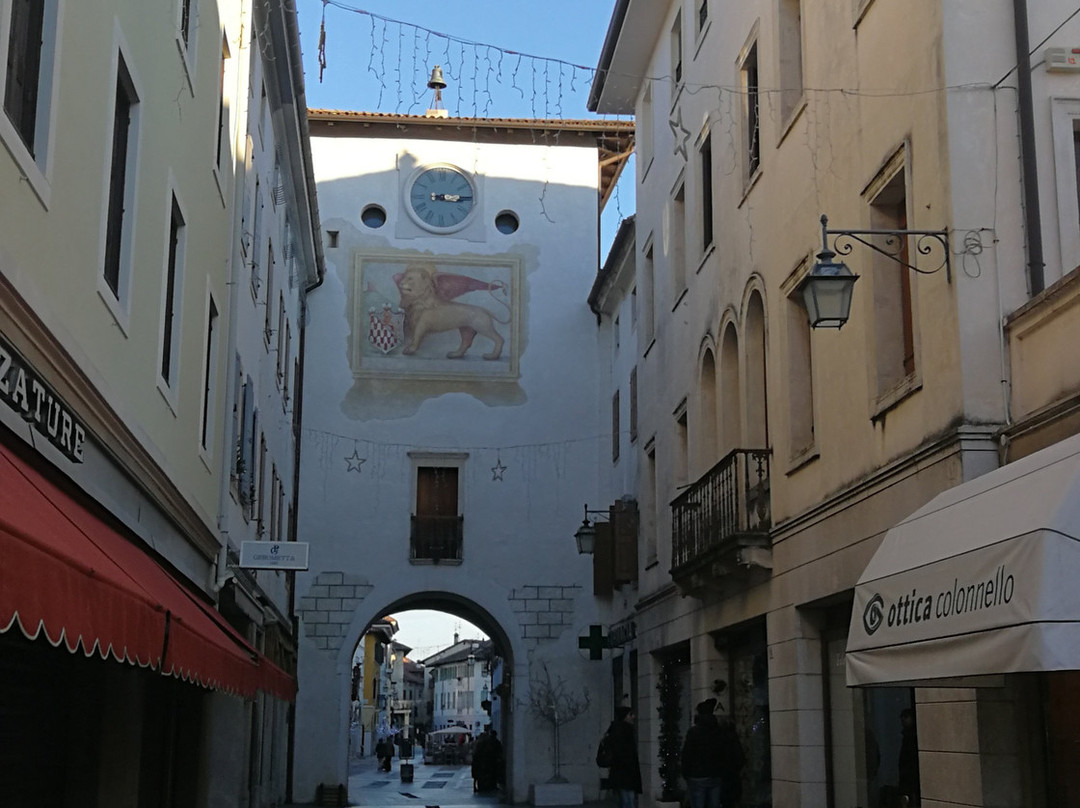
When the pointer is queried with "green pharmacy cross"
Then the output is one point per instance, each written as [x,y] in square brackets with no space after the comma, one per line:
[594,642]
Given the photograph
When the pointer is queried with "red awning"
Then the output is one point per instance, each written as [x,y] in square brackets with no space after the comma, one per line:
[66,573]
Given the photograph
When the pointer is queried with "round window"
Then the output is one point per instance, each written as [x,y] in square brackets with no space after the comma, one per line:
[373,216]
[506,222]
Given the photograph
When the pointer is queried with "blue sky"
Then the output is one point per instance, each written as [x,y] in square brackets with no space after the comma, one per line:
[500,58]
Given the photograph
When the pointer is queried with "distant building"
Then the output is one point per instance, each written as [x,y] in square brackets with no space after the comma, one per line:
[461,683]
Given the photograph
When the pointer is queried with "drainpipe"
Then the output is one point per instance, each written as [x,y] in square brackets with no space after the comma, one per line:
[1029,165]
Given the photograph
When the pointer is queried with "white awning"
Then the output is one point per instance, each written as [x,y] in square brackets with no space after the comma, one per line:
[984,579]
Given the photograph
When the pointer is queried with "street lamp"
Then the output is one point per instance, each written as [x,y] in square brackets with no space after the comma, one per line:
[826,289]
[585,536]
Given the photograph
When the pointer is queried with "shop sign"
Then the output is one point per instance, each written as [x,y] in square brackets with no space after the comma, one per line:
[24,391]
[622,634]
[262,555]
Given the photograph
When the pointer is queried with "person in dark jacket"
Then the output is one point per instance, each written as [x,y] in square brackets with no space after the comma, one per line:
[624,777]
[702,765]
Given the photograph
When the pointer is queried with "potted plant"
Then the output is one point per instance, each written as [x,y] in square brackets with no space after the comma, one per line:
[552,700]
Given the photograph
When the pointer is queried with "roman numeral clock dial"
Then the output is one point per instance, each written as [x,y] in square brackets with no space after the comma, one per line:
[441,198]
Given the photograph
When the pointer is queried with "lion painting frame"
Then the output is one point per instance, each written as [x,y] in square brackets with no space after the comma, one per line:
[423,316]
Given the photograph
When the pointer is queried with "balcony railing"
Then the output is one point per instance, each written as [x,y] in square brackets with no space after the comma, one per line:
[728,509]
[436,539]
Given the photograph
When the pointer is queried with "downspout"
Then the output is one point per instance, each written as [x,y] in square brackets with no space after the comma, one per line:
[300,109]
[1029,165]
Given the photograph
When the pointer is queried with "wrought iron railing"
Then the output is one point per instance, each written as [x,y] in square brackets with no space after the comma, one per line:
[436,538]
[730,500]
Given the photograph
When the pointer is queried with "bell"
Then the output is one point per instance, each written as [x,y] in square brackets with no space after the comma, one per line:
[437,81]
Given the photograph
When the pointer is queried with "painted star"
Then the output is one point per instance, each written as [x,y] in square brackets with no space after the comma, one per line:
[354,462]
[680,140]
[497,471]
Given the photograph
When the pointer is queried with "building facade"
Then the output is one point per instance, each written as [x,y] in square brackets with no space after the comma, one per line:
[454,429]
[132,664]
[781,457]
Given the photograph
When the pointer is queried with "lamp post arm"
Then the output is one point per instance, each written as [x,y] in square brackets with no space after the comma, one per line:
[923,245]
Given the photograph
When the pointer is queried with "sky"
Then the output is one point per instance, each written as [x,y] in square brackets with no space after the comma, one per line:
[427,632]
[500,59]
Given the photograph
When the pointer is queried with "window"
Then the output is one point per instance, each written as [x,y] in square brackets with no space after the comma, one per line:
[800,372]
[272,504]
[285,366]
[633,309]
[677,244]
[437,522]
[615,329]
[615,427]
[262,111]
[186,21]
[279,365]
[121,187]
[644,130]
[680,464]
[209,373]
[705,153]
[268,318]
[894,329]
[174,271]
[791,58]
[677,52]
[237,434]
[222,118]
[633,404]
[648,284]
[1065,120]
[649,514]
[748,73]
[702,16]
[256,229]
[23,76]
[258,498]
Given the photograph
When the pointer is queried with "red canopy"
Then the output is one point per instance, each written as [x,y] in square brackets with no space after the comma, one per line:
[66,573]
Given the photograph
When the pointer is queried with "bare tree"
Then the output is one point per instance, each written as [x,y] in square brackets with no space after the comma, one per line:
[552,700]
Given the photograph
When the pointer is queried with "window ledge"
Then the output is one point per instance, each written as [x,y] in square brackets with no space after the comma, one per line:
[28,167]
[168,394]
[751,181]
[220,187]
[442,562]
[679,298]
[802,457]
[895,395]
[185,54]
[648,347]
[119,314]
[792,118]
[705,258]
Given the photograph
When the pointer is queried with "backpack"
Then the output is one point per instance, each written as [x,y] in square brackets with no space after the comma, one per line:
[603,752]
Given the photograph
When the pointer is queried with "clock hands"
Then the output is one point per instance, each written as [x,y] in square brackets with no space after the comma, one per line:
[450,198]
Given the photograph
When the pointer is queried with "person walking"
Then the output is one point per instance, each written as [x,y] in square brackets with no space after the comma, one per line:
[702,763]
[624,775]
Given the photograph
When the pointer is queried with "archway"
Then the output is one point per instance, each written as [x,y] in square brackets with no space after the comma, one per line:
[403,694]
[321,753]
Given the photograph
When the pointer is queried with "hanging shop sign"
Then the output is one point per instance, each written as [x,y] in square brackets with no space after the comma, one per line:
[622,634]
[25,392]
[262,555]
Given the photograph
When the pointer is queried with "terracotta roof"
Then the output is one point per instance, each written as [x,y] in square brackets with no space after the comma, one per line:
[615,139]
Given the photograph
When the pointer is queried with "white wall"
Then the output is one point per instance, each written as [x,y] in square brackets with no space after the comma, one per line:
[520,565]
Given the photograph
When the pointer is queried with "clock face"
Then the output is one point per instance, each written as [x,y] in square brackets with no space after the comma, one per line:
[441,198]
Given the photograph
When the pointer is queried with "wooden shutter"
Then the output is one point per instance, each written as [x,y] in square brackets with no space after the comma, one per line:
[603,563]
[624,538]
[436,491]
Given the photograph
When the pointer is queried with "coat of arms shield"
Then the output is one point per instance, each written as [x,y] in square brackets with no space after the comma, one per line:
[386,328]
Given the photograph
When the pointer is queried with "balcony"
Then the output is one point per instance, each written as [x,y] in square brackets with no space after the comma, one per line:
[720,525]
[436,539]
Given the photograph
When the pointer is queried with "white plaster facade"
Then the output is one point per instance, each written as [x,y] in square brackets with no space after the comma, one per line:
[139,348]
[756,118]
[525,445]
